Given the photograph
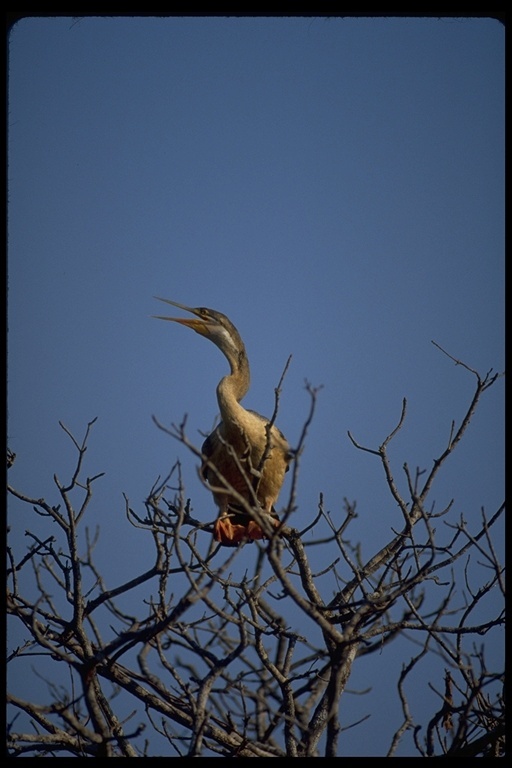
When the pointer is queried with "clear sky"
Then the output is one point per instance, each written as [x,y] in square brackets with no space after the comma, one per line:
[335,186]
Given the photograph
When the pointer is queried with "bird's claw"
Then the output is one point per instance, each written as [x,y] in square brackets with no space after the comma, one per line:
[231,534]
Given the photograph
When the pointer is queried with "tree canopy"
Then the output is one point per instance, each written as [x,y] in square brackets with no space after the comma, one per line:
[210,652]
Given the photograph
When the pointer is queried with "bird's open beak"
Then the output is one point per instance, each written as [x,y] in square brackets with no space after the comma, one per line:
[197,325]
[176,304]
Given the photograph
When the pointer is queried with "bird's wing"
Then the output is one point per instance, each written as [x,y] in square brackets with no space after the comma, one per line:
[208,449]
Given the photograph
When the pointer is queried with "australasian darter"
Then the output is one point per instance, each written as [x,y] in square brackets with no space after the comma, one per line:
[242,451]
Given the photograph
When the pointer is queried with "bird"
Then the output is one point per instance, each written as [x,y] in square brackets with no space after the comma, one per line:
[245,453]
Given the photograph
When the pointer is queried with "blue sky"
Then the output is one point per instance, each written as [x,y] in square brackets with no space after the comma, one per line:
[335,186]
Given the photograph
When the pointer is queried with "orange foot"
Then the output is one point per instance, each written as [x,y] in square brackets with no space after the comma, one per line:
[232,534]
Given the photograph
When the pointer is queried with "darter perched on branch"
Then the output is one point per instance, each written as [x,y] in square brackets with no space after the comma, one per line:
[245,453]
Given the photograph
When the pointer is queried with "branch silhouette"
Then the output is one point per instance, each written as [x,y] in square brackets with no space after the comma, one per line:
[253,661]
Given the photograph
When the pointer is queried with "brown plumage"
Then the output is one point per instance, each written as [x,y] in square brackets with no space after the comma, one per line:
[239,451]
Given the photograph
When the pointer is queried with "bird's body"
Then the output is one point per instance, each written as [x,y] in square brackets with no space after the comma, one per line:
[245,457]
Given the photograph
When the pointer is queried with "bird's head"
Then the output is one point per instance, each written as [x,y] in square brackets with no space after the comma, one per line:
[211,324]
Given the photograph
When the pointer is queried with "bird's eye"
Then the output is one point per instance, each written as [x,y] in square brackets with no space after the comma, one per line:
[203,311]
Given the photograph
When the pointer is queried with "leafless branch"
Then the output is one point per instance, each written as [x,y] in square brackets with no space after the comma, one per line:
[231,655]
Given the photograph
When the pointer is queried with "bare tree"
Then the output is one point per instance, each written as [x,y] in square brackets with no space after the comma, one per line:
[257,666]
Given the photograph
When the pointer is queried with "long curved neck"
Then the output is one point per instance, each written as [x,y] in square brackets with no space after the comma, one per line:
[232,388]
